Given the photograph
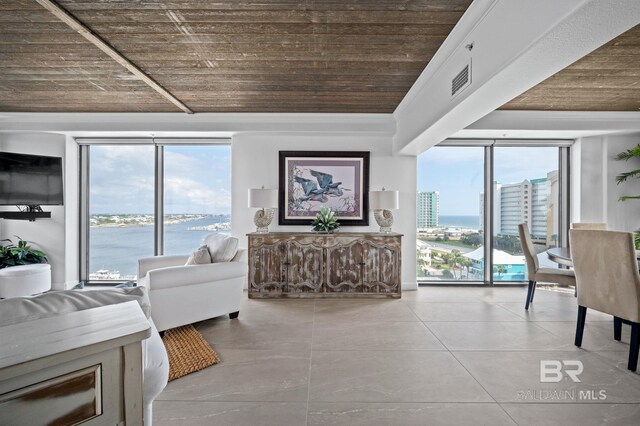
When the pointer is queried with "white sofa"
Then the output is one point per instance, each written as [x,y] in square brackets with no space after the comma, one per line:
[155,363]
[182,294]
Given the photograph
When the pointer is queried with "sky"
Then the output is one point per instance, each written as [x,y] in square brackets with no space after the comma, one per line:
[458,173]
[197,179]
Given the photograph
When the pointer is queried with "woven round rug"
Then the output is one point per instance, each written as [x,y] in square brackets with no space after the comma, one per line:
[188,351]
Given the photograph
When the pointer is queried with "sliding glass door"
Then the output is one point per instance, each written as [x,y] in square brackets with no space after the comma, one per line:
[146,199]
[471,199]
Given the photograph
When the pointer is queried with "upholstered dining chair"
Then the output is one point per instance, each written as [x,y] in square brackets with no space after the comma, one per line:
[607,274]
[589,225]
[535,272]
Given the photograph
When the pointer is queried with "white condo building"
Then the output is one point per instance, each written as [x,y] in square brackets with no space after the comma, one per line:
[533,202]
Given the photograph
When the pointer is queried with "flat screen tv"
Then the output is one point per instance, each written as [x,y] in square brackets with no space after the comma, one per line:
[30,180]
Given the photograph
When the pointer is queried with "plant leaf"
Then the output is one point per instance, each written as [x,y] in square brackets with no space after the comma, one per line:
[629,197]
[622,177]
[630,153]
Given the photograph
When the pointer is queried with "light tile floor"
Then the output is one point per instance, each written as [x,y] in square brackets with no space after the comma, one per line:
[438,356]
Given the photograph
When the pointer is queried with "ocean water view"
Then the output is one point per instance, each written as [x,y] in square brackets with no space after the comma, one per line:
[114,248]
[469,222]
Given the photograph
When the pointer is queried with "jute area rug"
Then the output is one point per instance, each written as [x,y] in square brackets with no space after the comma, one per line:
[188,351]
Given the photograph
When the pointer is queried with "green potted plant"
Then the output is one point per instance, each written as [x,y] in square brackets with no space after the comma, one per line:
[622,177]
[19,254]
[325,221]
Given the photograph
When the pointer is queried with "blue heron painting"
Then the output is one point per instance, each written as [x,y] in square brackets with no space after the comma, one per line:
[313,183]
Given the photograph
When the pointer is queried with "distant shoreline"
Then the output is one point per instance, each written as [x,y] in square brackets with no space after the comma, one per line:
[127,221]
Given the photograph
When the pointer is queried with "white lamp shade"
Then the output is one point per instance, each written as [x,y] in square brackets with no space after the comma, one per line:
[263,198]
[385,200]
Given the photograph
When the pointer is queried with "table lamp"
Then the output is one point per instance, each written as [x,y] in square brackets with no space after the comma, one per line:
[382,202]
[266,200]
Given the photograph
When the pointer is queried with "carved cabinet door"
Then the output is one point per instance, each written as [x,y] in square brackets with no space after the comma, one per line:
[268,269]
[304,268]
[381,272]
[344,268]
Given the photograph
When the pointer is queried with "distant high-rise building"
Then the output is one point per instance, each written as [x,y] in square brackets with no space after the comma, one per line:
[428,207]
[530,201]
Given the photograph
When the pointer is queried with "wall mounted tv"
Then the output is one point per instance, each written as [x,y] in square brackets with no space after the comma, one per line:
[30,180]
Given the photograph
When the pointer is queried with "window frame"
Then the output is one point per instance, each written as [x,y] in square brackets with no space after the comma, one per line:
[564,187]
[84,159]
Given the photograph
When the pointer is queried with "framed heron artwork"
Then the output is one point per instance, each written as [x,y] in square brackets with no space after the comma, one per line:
[313,179]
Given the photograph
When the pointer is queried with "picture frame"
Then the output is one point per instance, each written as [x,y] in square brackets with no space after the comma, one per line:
[309,180]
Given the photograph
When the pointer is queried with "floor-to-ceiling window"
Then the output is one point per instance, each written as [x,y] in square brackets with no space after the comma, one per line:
[450,241]
[149,198]
[197,195]
[121,206]
[526,190]
[472,197]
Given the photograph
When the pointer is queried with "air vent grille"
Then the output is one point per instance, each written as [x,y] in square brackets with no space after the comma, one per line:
[460,80]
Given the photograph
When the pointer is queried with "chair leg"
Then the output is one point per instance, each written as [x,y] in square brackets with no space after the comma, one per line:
[582,315]
[532,284]
[617,328]
[634,346]
[533,291]
[234,315]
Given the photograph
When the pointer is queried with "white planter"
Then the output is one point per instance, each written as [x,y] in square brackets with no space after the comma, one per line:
[25,280]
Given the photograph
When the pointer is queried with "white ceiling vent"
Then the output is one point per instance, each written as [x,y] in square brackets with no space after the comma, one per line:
[462,80]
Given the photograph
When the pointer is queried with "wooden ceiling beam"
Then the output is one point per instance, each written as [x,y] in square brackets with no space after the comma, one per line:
[101,44]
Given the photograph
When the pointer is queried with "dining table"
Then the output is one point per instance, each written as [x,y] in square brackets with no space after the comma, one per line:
[562,256]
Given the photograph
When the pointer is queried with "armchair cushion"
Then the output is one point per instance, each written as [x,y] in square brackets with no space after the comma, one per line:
[179,276]
[200,256]
[222,248]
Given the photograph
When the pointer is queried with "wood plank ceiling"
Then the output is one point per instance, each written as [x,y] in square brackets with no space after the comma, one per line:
[351,56]
[608,79]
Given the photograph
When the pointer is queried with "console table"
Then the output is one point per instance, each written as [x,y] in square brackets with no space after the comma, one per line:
[310,264]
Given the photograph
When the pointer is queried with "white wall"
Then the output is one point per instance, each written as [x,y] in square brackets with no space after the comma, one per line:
[595,194]
[255,163]
[257,138]
[46,234]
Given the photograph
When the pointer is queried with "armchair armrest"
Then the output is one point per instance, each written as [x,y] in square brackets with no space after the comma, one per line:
[177,276]
[148,263]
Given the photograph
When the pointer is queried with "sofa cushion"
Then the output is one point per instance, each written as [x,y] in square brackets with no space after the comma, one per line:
[222,248]
[200,256]
[20,309]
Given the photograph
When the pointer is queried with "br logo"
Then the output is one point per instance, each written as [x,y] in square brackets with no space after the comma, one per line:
[552,371]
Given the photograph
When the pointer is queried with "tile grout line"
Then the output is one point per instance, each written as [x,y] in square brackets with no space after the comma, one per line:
[468,372]
[483,388]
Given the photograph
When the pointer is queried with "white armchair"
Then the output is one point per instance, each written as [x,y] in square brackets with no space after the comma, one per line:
[183,295]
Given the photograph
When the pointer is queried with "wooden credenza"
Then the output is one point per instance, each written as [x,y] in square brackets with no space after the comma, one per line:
[310,264]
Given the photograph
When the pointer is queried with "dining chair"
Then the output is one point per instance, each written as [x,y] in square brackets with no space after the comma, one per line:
[589,225]
[535,272]
[607,275]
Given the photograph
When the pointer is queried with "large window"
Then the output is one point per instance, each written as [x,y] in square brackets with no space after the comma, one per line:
[121,206]
[450,180]
[197,195]
[471,200]
[150,199]
[526,188]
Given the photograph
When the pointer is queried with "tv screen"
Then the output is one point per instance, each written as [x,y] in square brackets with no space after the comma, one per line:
[30,179]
